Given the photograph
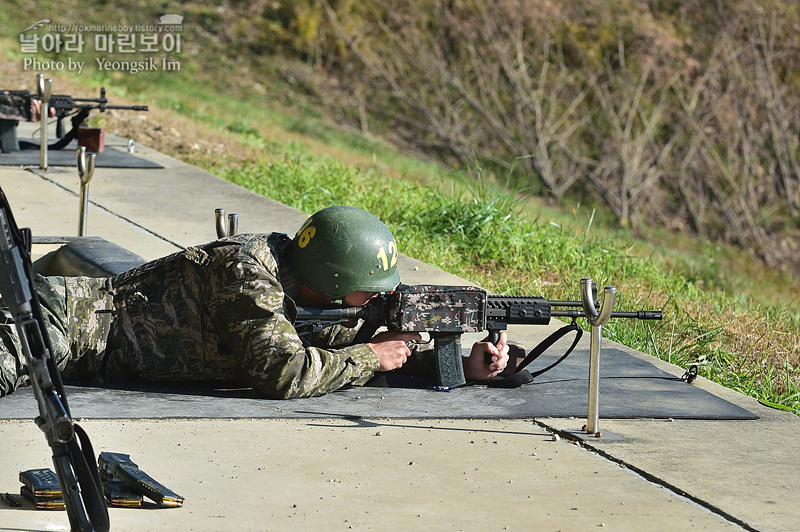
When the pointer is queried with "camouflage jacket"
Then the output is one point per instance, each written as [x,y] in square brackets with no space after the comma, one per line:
[15,105]
[225,311]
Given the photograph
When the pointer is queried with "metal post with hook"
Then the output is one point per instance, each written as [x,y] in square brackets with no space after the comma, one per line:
[45,89]
[597,317]
[233,223]
[85,172]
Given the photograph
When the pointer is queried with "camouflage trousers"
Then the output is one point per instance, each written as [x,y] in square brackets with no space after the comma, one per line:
[78,319]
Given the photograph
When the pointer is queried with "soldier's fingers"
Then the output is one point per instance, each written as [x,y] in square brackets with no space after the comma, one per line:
[492,349]
[503,340]
[500,360]
[505,350]
[412,337]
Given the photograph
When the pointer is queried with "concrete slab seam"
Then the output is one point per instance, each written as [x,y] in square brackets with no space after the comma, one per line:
[104,209]
[588,445]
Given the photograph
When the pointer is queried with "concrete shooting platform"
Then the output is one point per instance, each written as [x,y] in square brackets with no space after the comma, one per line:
[676,456]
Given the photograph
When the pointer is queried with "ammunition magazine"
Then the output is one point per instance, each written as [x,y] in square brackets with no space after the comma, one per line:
[120,467]
[120,495]
[41,482]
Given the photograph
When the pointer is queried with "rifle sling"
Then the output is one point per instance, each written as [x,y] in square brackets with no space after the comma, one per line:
[545,345]
[523,376]
[72,134]
[89,478]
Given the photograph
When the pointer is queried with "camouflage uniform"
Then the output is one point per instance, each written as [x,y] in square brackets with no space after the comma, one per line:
[15,105]
[219,311]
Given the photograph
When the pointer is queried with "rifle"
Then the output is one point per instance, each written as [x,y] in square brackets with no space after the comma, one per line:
[74,461]
[446,312]
[17,105]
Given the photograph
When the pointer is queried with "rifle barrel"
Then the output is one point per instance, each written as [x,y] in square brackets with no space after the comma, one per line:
[331,314]
[99,106]
[639,315]
[636,315]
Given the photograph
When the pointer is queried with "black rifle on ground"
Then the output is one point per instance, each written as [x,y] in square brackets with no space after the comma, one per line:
[446,312]
[18,105]
[74,461]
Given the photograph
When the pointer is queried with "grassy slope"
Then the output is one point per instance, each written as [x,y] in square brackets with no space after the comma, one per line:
[259,132]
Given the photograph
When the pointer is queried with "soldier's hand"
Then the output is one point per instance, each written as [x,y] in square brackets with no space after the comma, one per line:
[36,113]
[391,348]
[476,368]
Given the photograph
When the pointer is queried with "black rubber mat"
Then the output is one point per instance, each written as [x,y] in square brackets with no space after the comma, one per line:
[110,157]
[84,255]
[629,388]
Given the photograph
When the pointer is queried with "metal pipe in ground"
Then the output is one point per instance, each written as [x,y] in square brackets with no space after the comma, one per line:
[226,230]
[597,317]
[593,417]
[85,172]
[219,215]
[233,224]
[45,89]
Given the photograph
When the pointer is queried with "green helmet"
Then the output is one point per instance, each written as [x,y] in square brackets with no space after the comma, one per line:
[340,250]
